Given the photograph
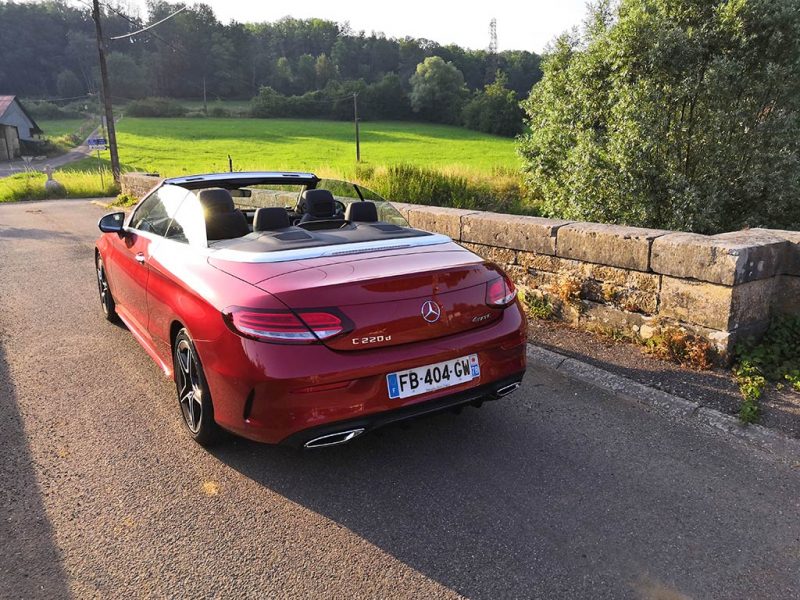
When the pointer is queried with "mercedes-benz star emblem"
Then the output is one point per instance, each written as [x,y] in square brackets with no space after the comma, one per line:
[431,311]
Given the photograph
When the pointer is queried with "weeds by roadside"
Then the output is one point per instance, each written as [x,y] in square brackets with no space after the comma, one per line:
[123,201]
[536,305]
[776,358]
[680,346]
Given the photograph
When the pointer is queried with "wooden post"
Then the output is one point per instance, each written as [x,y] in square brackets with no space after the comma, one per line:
[105,91]
[355,118]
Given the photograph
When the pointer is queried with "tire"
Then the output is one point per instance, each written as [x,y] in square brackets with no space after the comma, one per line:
[106,299]
[194,399]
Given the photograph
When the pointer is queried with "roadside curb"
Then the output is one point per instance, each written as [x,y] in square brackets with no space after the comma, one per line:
[101,203]
[669,405]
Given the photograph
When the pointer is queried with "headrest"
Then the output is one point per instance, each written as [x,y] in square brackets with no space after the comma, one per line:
[318,204]
[364,212]
[270,219]
[216,200]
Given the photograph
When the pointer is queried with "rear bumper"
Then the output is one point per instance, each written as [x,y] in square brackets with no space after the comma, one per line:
[288,394]
[369,423]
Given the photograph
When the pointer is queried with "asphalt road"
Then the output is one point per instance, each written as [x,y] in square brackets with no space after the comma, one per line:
[558,491]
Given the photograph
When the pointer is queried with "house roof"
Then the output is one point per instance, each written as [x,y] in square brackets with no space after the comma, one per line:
[5,104]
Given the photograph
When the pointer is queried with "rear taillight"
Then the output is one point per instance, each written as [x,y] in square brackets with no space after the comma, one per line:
[285,326]
[500,292]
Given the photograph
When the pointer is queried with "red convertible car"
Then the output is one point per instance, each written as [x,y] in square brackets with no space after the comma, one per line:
[294,310]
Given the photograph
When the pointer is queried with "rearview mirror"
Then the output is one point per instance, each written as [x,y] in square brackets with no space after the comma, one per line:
[112,222]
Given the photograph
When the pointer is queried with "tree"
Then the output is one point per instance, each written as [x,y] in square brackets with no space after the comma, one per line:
[283,75]
[68,84]
[672,114]
[128,79]
[437,90]
[305,74]
[494,110]
[325,71]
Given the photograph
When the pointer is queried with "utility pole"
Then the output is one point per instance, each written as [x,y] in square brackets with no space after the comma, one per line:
[355,118]
[492,63]
[105,91]
[205,103]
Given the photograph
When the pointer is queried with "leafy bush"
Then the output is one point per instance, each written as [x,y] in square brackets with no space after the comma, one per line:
[218,112]
[384,99]
[494,110]
[682,115]
[47,110]
[537,305]
[775,358]
[155,107]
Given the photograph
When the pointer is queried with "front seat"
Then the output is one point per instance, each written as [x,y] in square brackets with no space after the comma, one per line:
[223,220]
[270,219]
[317,205]
[363,212]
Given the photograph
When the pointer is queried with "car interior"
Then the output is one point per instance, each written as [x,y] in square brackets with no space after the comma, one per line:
[317,219]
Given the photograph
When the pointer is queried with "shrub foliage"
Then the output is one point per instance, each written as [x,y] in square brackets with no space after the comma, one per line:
[677,114]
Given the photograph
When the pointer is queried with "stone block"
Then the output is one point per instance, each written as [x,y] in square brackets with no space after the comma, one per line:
[612,245]
[791,263]
[728,258]
[786,298]
[540,262]
[531,234]
[502,256]
[404,207]
[613,318]
[138,184]
[438,219]
[720,307]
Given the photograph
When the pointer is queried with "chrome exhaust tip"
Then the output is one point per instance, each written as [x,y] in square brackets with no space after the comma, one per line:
[334,439]
[507,389]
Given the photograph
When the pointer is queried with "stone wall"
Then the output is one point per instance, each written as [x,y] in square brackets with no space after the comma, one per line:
[722,287]
[636,281]
[138,184]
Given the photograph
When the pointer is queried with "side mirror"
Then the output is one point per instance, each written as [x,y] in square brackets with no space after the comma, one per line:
[112,222]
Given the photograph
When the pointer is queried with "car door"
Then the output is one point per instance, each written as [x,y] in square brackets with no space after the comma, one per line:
[174,265]
[130,272]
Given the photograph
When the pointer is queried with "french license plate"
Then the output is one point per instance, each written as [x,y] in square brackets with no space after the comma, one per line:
[412,382]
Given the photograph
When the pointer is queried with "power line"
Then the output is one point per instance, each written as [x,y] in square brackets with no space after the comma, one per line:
[127,35]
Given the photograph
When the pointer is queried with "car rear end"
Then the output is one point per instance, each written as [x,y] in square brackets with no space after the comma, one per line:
[341,345]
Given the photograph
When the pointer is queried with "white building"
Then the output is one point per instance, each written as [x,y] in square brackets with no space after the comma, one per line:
[15,125]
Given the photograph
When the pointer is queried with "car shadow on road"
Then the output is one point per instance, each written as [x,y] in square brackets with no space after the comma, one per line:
[30,560]
[437,494]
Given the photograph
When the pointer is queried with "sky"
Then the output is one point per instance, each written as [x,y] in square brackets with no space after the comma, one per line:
[521,24]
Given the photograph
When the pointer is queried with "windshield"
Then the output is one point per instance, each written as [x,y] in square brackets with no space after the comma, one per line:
[346,192]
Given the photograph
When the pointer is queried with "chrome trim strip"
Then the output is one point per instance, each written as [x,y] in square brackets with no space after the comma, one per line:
[323,251]
[340,437]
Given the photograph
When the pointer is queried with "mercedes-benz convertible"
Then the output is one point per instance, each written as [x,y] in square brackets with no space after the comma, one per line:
[294,310]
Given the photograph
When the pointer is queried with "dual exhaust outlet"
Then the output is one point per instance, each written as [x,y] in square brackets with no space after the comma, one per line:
[348,435]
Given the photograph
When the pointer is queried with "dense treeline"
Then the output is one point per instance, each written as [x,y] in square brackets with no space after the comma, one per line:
[312,59]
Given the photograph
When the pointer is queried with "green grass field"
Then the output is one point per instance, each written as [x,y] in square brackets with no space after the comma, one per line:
[179,146]
[412,162]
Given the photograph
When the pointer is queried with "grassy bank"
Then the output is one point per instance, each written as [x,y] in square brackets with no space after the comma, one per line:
[65,134]
[78,184]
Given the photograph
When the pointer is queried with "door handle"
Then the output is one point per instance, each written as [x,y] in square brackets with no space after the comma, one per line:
[140,258]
